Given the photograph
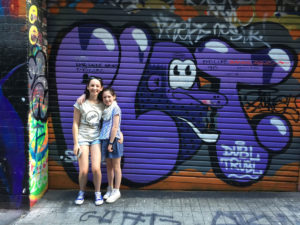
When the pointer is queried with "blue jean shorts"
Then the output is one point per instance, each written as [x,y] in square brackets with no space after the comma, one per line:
[94,142]
[117,149]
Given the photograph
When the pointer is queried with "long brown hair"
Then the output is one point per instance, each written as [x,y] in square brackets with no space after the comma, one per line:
[111,90]
[86,91]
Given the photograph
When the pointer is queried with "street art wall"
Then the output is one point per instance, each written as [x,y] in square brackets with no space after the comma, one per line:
[24,103]
[38,100]
[209,90]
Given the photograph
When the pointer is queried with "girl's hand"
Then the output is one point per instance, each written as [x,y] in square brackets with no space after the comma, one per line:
[81,99]
[121,138]
[109,148]
[75,149]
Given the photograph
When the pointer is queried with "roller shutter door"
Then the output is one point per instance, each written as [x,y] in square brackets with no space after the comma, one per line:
[209,93]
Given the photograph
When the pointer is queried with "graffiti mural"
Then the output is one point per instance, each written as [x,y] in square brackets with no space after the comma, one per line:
[208,91]
[13,107]
[38,103]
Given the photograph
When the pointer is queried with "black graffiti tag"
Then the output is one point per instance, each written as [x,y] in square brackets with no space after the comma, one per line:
[38,86]
[133,218]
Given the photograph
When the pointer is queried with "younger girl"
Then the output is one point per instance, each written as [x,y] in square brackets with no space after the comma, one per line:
[86,131]
[112,150]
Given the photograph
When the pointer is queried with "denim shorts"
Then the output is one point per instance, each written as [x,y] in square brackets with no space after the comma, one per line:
[117,149]
[94,142]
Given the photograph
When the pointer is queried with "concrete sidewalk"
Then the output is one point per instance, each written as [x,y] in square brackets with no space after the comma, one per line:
[167,207]
[8,216]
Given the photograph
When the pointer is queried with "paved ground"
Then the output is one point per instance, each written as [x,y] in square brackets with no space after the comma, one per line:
[9,216]
[166,207]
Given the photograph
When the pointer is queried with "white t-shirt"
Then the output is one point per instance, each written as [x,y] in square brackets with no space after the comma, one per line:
[90,116]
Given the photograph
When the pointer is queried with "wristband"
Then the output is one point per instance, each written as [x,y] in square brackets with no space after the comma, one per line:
[110,143]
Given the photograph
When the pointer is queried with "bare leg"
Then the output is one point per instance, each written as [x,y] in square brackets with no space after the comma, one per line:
[110,172]
[83,162]
[115,195]
[96,166]
[117,172]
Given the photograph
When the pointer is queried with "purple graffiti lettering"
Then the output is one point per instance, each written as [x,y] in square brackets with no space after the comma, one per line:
[172,89]
[167,115]
[243,152]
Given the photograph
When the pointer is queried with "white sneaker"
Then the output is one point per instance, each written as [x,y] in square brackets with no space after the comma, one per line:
[98,198]
[80,198]
[108,193]
[114,196]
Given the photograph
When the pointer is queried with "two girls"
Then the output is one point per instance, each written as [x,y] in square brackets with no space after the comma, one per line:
[87,139]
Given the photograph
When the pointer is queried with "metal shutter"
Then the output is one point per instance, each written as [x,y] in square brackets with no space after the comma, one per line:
[209,92]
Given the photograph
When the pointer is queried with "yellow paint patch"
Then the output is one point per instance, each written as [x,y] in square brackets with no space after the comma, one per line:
[33,34]
[33,14]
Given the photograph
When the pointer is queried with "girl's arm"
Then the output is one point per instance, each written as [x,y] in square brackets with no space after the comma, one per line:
[81,99]
[121,140]
[76,119]
[113,131]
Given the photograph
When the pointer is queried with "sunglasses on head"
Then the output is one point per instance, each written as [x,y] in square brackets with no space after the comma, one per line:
[86,78]
[93,77]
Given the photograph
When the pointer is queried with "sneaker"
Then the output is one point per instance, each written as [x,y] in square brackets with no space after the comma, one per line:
[80,198]
[108,193]
[98,198]
[114,196]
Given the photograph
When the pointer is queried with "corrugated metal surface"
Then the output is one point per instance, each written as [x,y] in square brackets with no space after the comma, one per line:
[209,92]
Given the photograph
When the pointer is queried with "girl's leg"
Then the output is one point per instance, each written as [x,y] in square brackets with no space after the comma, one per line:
[115,195]
[96,166]
[110,178]
[117,172]
[110,172]
[83,162]
[96,169]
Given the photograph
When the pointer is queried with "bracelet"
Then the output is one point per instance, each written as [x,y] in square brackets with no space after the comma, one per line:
[110,143]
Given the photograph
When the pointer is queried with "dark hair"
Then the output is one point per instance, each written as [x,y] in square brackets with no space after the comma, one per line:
[86,91]
[111,90]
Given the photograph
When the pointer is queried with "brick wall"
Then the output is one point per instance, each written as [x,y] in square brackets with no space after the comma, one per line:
[23,103]
[14,106]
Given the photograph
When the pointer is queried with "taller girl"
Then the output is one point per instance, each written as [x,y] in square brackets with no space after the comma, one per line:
[86,131]
[112,150]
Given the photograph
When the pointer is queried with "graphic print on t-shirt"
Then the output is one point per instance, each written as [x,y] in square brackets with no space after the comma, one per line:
[92,118]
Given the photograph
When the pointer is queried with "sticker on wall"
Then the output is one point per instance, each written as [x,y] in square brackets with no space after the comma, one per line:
[32,14]
[33,35]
